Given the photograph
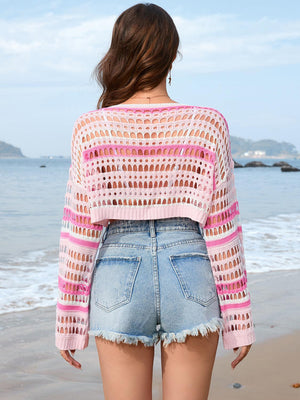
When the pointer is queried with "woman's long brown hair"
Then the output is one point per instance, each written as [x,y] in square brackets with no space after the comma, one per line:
[143,47]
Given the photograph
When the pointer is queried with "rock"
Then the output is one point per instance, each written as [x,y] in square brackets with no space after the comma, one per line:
[256,164]
[289,169]
[236,385]
[237,165]
[281,164]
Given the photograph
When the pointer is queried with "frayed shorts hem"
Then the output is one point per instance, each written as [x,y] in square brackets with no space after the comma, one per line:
[125,338]
[203,329]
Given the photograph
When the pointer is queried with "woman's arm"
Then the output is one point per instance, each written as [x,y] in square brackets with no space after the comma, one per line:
[79,241]
[224,240]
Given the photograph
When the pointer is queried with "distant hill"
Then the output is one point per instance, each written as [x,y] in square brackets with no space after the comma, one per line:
[10,151]
[240,148]
[261,148]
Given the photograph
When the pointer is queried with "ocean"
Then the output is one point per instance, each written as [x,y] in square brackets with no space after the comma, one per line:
[32,200]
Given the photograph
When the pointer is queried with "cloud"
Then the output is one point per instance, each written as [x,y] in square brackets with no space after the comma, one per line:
[51,49]
[63,49]
[236,44]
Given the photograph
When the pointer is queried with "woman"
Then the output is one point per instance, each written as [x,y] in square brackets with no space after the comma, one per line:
[151,245]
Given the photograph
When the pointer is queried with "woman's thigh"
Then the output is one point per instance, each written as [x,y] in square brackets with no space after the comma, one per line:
[126,370]
[187,367]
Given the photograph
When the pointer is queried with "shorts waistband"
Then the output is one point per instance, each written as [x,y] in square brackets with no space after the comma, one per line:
[152,225]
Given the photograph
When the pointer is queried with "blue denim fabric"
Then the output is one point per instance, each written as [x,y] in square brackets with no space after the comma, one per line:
[153,281]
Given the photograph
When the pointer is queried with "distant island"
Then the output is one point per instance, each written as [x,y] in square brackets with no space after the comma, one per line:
[10,151]
[240,148]
[265,148]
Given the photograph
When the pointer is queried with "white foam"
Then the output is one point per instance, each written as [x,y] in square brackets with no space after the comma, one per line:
[273,243]
[30,281]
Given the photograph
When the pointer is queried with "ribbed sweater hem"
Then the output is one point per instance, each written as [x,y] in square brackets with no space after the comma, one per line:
[71,342]
[103,214]
[238,339]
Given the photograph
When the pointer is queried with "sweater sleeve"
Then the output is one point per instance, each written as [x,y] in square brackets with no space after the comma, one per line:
[78,245]
[224,241]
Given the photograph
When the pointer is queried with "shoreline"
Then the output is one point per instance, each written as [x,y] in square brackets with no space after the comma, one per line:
[32,367]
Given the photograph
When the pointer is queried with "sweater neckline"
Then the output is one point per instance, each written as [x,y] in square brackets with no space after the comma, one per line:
[150,105]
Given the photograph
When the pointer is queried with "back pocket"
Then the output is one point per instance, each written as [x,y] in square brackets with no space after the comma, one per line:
[114,280]
[195,276]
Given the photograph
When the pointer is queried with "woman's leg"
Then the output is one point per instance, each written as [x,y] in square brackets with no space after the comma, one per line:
[126,370]
[187,367]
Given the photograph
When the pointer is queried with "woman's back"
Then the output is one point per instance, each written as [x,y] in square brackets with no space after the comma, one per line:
[144,161]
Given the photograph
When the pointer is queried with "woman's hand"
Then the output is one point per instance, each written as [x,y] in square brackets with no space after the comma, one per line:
[244,351]
[67,356]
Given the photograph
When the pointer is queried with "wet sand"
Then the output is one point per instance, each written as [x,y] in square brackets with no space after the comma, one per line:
[32,368]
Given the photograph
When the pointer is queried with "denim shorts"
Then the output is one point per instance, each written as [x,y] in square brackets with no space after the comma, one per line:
[152,281]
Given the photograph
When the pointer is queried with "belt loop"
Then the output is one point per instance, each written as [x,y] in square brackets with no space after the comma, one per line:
[102,238]
[104,234]
[152,227]
[200,229]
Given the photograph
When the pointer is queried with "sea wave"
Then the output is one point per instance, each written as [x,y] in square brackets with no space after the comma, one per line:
[273,243]
[30,281]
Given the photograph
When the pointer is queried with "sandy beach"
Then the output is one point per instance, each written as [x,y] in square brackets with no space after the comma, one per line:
[32,368]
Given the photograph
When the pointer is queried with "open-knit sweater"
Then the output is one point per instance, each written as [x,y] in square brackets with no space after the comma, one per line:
[151,161]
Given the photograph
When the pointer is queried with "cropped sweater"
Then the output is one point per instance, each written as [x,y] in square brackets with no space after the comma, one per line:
[150,161]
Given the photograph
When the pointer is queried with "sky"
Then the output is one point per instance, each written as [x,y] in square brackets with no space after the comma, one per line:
[241,58]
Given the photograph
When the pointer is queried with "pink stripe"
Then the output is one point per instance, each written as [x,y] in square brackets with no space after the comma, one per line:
[80,242]
[232,211]
[222,241]
[242,282]
[146,151]
[72,308]
[81,288]
[69,215]
[147,109]
[240,305]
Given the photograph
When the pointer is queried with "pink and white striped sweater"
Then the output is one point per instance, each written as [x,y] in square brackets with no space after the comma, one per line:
[150,161]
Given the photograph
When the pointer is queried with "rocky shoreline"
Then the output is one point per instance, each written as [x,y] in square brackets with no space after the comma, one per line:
[284,166]
[9,151]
